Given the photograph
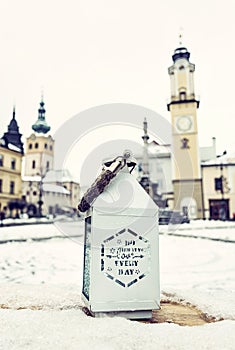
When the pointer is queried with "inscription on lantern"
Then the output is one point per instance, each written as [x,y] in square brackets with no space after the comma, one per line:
[125,257]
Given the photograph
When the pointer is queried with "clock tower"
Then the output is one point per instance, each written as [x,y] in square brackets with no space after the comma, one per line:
[187,181]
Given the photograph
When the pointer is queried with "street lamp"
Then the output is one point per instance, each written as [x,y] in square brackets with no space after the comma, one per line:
[40,201]
[40,193]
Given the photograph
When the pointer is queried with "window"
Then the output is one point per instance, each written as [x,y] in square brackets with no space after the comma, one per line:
[50,147]
[45,145]
[48,165]
[34,193]
[13,163]
[12,187]
[1,160]
[30,146]
[0,185]
[184,143]
[36,145]
[183,95]
[33,164]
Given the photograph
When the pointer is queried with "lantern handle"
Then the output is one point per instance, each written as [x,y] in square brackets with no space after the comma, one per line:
[109,171]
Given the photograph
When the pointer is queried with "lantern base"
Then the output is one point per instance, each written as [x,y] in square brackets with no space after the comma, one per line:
[132,315]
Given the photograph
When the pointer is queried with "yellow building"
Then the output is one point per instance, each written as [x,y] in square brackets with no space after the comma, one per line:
[11,153]
[186,177]
[219,187]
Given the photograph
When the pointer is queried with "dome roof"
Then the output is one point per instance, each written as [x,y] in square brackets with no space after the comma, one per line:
[181,52]
[41,126]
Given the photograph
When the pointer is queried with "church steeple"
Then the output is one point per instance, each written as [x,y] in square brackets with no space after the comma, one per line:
[41,125]
[13,136]
[181,51]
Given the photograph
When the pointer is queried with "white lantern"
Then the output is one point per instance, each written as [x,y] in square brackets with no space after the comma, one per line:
[121,253]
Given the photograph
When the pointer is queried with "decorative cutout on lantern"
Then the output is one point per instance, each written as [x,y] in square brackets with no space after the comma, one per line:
[125,257]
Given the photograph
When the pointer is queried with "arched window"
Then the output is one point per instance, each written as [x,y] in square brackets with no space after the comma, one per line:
[182,93]
[36,145]
[30,146]
[33,164]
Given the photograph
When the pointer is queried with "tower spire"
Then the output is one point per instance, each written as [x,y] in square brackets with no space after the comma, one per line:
[14,112]
[180,37]
[13,136]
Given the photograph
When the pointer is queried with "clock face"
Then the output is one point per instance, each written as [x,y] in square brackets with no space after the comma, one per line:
[184,123]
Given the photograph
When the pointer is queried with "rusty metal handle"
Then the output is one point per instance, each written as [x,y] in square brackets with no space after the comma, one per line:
[103,181]
[95,190]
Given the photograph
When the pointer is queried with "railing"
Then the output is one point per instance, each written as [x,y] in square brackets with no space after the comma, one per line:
[186,99]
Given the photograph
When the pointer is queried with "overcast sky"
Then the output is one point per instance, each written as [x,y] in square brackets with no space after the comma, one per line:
[84,53]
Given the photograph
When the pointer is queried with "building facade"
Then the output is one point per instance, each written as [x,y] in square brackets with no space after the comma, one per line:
[219,187]
[11,153]
[69,187]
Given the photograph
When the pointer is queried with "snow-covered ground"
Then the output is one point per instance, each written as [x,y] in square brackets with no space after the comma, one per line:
[40,288]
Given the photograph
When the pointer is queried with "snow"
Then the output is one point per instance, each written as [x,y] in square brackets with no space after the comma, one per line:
[13,147]
[40,231]
[73,330]
[226,158]
[214,230]
[24,220]
[55,188]
[62,175]
[41,281]
[32,178]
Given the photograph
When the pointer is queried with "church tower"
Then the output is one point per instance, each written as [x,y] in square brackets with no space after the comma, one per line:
[187,181]
[39,155]
[11,153]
